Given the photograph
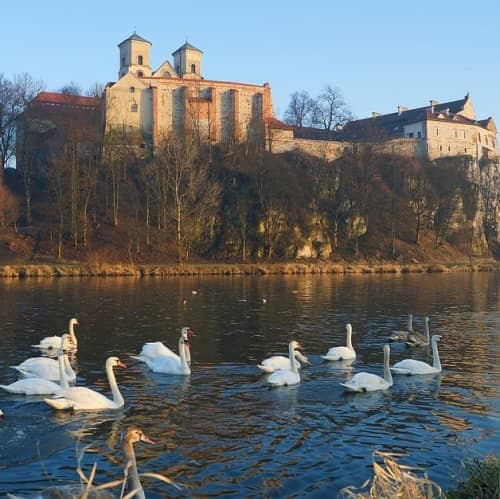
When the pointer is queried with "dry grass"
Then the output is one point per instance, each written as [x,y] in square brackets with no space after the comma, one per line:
[393,480]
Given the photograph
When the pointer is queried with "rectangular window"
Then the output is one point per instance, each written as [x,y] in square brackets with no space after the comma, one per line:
[410,135]
[437,131]
[419,135]
[134,107]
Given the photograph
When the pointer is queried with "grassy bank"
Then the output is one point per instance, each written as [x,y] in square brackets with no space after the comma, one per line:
[150,270]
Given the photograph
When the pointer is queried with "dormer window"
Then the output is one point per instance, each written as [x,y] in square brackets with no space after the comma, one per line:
[139,60]
[193,68]
[140,74]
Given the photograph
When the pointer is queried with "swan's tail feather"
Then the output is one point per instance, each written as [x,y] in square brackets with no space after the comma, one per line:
[265,368]
[350,388]
[7,388]
[59,403]
[141,358]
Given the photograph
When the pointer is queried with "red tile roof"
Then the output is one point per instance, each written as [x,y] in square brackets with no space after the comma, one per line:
[66,100]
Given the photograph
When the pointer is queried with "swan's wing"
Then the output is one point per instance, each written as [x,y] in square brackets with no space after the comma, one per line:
[339,353]
[283,377]
[49,342]
[276,362]
[80,397]
[364,382]
[157,348]
[167,365]
[32,386]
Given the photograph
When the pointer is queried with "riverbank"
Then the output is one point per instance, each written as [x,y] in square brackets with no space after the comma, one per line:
[165,270]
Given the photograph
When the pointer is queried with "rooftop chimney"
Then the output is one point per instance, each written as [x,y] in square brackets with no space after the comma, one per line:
[402,109]
[375,114]
[433,103]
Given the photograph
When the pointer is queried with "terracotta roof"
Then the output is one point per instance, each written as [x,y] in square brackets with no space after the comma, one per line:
[136,37]
[187,46]
[66,100]
[277,124]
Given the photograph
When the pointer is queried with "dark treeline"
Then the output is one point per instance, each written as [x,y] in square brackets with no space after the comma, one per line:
[189,203]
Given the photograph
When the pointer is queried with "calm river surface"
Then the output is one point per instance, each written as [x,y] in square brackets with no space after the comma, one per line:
[221,431]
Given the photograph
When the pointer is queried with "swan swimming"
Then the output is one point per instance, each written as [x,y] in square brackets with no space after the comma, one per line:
[42,386]
[83,398]
[402,335]
[412,366]
[342,353]
[290,375]
[54,342]
[160,359]
[133,436]
[277,362]
[419,340]
[43,367]
[368,382]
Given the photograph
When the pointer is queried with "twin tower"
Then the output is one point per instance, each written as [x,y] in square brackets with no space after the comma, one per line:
[135,58]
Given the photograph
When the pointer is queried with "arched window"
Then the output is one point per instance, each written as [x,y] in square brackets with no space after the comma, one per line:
[139,60]
[140,74]
[193,68]
[132,90]
[166,74]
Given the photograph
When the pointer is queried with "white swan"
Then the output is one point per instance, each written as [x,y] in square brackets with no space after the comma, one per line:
[412,366]
[54,342]
[402,335]
[83,398]
[419,340]
[342,353]
[43,367]
[41,386]
[132,436]
[367,382]
[290,375]
[160,359]
[1,413]
[277,362]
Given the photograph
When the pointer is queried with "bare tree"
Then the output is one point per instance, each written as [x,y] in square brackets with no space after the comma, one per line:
[9,208]
[96,90]
[71,88]
[300,110]
[14,96]
[330,110]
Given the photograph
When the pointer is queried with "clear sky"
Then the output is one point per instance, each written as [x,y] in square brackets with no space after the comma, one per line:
[380,53]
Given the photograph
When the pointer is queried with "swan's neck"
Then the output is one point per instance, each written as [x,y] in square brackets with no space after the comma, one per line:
[63,378]
[133,481]
[117,396]
[410,322]
[291,355]
[387,369]
[436,363]
[72,333]
[182,355]
[427,332]
[68,370]
[349,338]
[188,353]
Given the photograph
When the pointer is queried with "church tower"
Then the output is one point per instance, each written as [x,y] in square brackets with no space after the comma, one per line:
[187,61]
[134,56]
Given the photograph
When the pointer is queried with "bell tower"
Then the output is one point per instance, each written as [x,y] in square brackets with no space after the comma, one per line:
[134,56]
[187,61]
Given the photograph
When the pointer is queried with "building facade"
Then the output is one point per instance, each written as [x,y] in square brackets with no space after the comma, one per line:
[176,100]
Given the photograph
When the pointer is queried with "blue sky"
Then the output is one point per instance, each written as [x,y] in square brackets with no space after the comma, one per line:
[381,54]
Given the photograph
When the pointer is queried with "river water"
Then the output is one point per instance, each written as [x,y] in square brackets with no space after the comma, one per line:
[221,431]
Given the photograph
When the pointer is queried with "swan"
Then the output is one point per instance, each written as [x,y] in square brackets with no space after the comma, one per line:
[277,362]
[290,375]
[160,359]
[402,335]
[83,398]
[132,436]
[43,367]
[1,413]
[54,342]
[41,386]
[367,382]
[419,340]
[412,366]
[342,353]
